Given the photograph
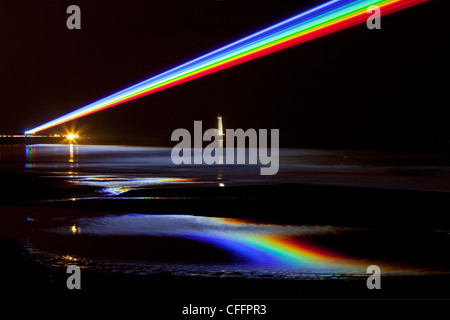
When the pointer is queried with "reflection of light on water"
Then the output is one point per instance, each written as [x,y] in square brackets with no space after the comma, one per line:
[278,249]
[392,170]
[114,191]
[281,250]
[261,244]
[63,260]
[119,185]
[30,152]
[220,154]
[69,258]
[71,153]
[75,230]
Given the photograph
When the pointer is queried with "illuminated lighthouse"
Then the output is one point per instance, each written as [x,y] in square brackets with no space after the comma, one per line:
[219,125]
[219,138]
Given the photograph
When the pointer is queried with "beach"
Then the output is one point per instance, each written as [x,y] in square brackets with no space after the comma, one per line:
[178,238]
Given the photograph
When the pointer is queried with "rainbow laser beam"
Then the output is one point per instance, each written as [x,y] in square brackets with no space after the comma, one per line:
[319,21]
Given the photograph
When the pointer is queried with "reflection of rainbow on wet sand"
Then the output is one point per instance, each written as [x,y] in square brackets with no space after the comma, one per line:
[277,248]
[285,248]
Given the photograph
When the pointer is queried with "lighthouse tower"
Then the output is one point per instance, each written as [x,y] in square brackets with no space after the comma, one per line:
[219,137]
[219,125]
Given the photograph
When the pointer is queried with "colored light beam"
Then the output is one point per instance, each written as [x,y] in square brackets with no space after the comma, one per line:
[319,21]
[267,245]
[266,248]
[276,250]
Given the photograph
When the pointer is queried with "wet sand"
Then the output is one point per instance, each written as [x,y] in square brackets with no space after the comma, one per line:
[27,278]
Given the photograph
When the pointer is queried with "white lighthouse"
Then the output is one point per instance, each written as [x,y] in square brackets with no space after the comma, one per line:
[219,125]
[219,137]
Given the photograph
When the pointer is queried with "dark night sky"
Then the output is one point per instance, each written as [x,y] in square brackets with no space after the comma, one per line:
[355,88]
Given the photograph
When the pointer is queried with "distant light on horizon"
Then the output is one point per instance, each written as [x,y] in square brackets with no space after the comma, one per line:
[74,229]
